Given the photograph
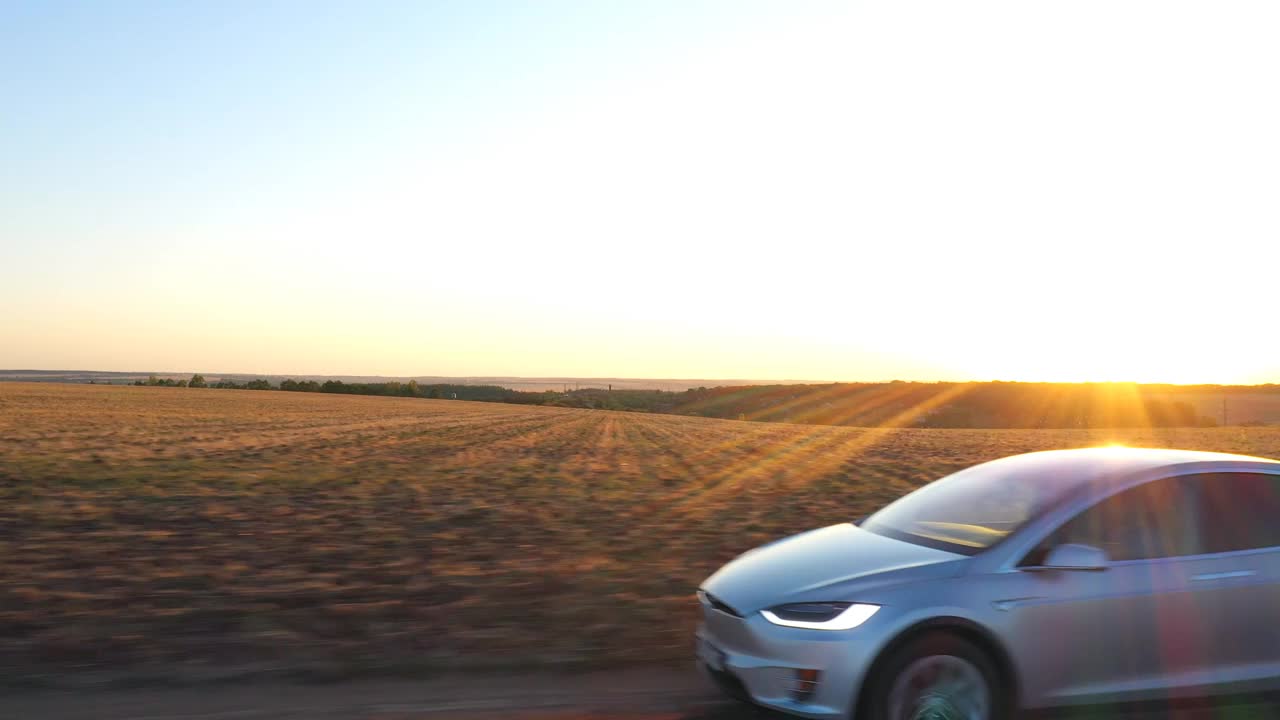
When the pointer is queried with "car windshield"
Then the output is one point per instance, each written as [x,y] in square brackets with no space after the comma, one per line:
[968,511]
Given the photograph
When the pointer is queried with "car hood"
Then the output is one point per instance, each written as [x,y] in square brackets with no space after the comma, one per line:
[824,565]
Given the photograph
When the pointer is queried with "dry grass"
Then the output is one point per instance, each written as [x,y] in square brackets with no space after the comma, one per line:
[148,527]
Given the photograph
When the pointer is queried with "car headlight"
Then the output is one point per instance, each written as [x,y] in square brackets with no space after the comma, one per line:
[821,616]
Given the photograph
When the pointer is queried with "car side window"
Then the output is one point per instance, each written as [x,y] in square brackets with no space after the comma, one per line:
[1239,511]
[1153,520]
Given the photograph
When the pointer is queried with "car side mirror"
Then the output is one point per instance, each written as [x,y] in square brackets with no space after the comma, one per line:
[1073,556]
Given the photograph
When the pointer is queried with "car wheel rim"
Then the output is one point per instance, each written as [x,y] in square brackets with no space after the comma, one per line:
[940,687]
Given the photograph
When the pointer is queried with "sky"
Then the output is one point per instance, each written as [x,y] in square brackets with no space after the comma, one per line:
[673,188]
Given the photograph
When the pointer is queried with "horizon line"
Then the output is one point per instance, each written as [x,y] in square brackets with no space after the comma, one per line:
[604,378]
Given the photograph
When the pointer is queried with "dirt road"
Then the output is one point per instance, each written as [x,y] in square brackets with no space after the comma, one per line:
[619,695]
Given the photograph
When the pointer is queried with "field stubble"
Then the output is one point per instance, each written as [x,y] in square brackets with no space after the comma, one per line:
[164,530]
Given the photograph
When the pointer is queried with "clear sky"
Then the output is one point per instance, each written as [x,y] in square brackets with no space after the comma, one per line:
[844,191]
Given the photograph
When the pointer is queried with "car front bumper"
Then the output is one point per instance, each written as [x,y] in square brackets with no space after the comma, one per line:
[754,660]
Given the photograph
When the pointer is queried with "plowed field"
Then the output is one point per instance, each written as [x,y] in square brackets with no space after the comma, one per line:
[165,529]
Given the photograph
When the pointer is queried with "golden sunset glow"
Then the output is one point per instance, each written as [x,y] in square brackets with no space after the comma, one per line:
[829,193]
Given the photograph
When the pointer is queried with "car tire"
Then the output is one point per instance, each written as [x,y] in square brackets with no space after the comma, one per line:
[937,676]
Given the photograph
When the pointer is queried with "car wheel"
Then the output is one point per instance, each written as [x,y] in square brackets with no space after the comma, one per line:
[937,676]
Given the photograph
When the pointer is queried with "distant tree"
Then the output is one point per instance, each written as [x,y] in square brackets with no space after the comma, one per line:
[153,380]
[258,384]
[434,393]
[197,381]
[411,389]
[182,383]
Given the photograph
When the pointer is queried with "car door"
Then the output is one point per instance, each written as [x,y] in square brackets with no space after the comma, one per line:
[1240,532]
[1130,631]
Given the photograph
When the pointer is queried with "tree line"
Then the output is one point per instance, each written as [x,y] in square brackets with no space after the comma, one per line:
[893,404]
[486,393]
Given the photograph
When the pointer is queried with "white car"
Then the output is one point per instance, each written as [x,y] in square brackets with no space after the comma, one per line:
[1053,579]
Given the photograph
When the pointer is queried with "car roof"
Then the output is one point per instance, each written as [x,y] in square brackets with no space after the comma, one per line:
[1090,465]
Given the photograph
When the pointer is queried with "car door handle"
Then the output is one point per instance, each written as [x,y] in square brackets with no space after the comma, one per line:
[1224,575]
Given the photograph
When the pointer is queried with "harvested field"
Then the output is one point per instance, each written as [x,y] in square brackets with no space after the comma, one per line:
[162,530]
